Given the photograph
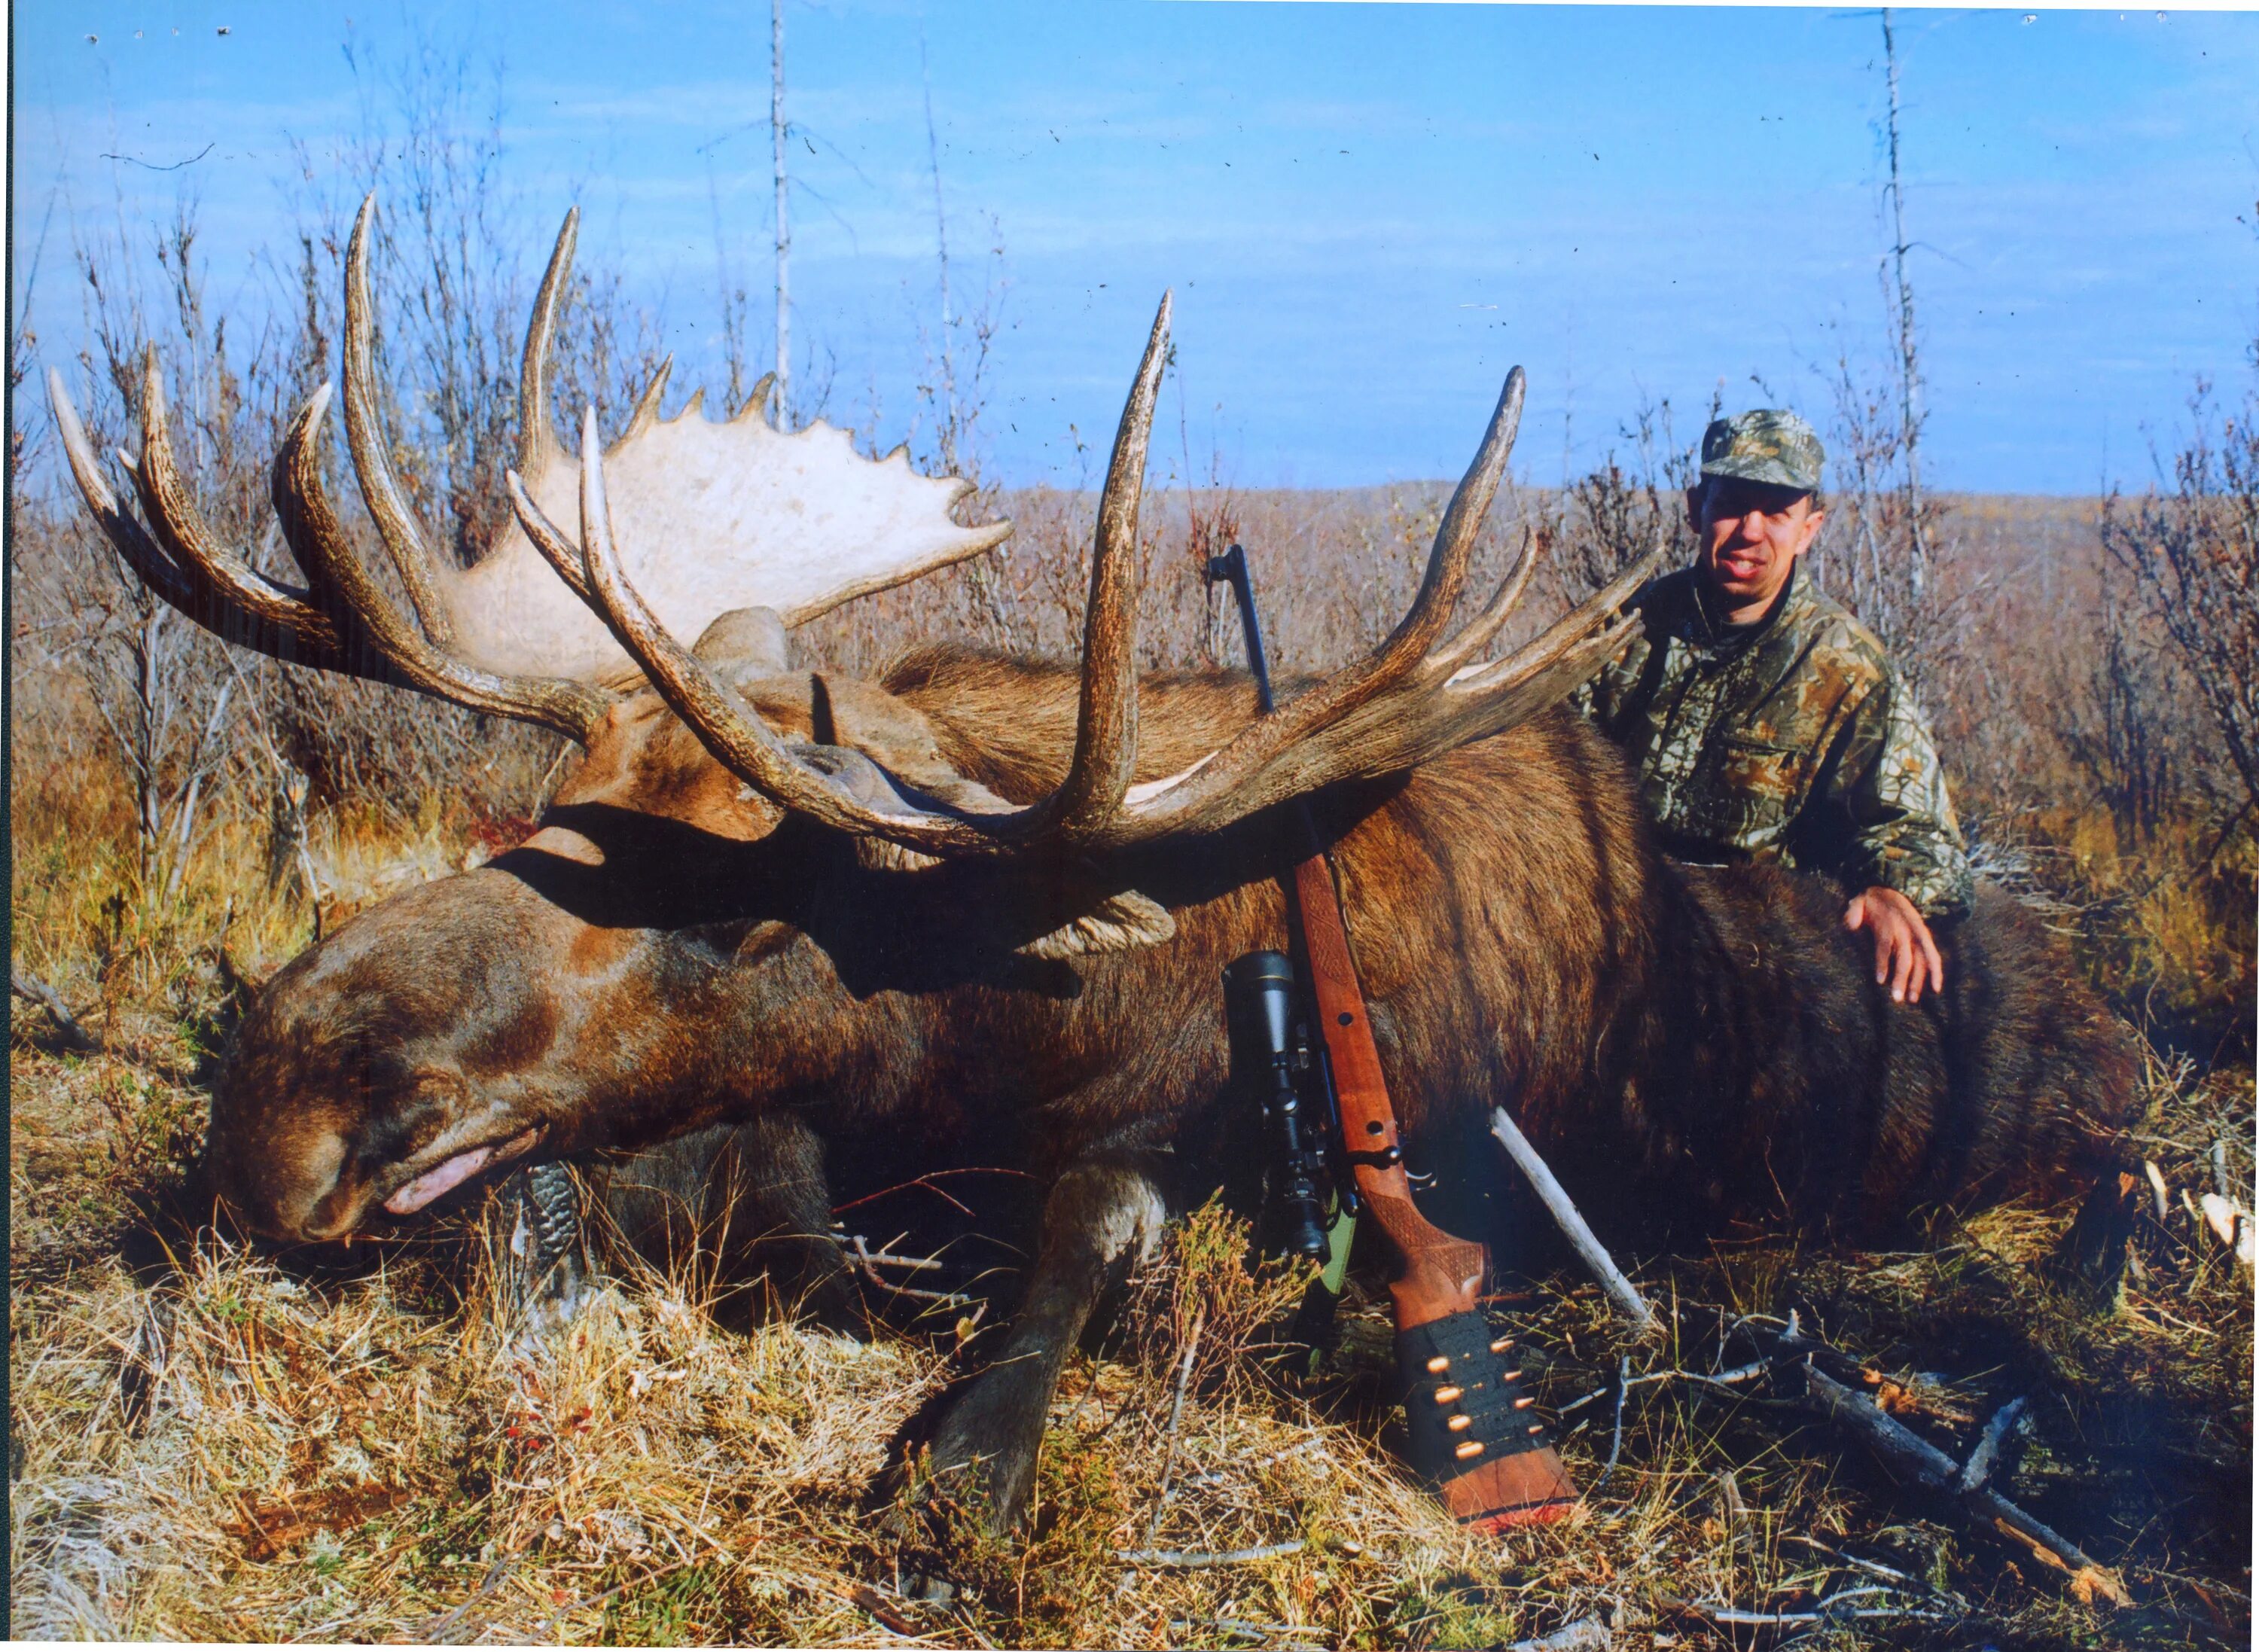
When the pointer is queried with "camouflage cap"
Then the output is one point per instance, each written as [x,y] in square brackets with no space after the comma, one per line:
[1766,445]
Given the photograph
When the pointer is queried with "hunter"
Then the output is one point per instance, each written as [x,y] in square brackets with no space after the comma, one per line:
[1767,723]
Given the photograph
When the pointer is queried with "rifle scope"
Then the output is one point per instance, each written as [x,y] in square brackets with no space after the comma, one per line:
[1269,1059]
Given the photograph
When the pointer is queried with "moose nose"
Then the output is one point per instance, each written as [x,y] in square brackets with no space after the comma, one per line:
[284,1188]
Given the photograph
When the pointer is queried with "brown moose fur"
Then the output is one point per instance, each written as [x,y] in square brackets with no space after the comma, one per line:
[671,954]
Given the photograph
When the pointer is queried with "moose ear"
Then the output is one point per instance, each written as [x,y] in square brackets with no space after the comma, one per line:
[1119,923]
[745,643]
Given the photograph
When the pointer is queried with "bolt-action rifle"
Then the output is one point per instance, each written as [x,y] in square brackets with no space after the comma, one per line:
[1470,1429]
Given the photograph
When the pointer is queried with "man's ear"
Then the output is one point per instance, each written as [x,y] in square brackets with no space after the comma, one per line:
[1694,505]
[1811,533]
[1120,922]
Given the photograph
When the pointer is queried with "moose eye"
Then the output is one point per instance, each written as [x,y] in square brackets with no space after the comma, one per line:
[406,1128]
[764,940]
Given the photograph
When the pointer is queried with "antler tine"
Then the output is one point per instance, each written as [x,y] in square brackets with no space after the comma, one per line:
[1430,712]
[646,407]
[736,736]
[1471,643]
[756,402]
[1565,633]
[149,563]
[1266,747]
[260,613]
[537,439]
[1454,535]
[1500,701]
[388,507]
[572,708]
[1088,803]
[557,551]
[1106,728]
[303,636]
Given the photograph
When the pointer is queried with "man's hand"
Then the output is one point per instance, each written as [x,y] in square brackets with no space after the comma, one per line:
[1906,954]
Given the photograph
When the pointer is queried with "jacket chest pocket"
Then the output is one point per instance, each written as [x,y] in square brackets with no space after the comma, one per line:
[1750,789]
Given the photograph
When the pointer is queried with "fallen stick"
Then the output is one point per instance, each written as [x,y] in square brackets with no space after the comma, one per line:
[1737,1511]
[1586,1635]
[1246,1631]
[1741,1618]
[868,1263]
[1986,1457]
[1176,1419]
[2157,1189]
[882,1609]
[1876,1569]
[1913,1459]
[1193,1560]
[33,989]
[1910,1458]
[1621,1290]
[1616,1446]
[435,1630]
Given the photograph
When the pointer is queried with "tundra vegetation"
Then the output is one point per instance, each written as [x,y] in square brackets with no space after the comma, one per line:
[211,1439]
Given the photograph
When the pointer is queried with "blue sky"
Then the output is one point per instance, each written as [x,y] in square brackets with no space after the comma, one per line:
[1367,212]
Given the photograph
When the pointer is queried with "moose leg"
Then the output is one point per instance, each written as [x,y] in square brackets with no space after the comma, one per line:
[774,1172]
[733,1201]
[1103,1216]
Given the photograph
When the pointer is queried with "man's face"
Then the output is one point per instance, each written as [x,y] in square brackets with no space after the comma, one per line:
[1751,534]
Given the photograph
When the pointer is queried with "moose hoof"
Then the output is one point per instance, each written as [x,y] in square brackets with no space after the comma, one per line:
[929,1588]
[926,1530]
[2090,1261]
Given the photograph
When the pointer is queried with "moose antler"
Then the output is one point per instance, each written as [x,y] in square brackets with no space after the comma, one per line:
[1106,739]
[727,515]
[723,515]
[1407,702]
[342,622]
[712,516]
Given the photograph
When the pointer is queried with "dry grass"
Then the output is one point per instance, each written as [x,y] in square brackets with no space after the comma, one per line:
[2170,908]
[210,1443]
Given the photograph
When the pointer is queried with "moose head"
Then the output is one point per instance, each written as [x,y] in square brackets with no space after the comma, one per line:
[761,885]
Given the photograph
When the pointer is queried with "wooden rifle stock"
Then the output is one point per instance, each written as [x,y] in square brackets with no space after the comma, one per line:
[1470,1427]
[1467,1418]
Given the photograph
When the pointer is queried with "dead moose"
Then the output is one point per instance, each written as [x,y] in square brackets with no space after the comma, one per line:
[988,899]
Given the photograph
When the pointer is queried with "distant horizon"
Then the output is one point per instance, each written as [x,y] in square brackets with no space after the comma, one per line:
[1942,495]
[1366,214]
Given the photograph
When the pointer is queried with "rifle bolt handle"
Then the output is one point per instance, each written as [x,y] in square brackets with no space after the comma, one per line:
[1445,1395]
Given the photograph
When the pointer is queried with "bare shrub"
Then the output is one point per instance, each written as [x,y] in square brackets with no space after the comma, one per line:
[158,691]
[1890,555]
[2123,725]
[2193,553]
[1606,520]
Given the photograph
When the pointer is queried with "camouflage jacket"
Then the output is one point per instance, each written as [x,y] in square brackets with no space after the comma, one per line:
[1791,740]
